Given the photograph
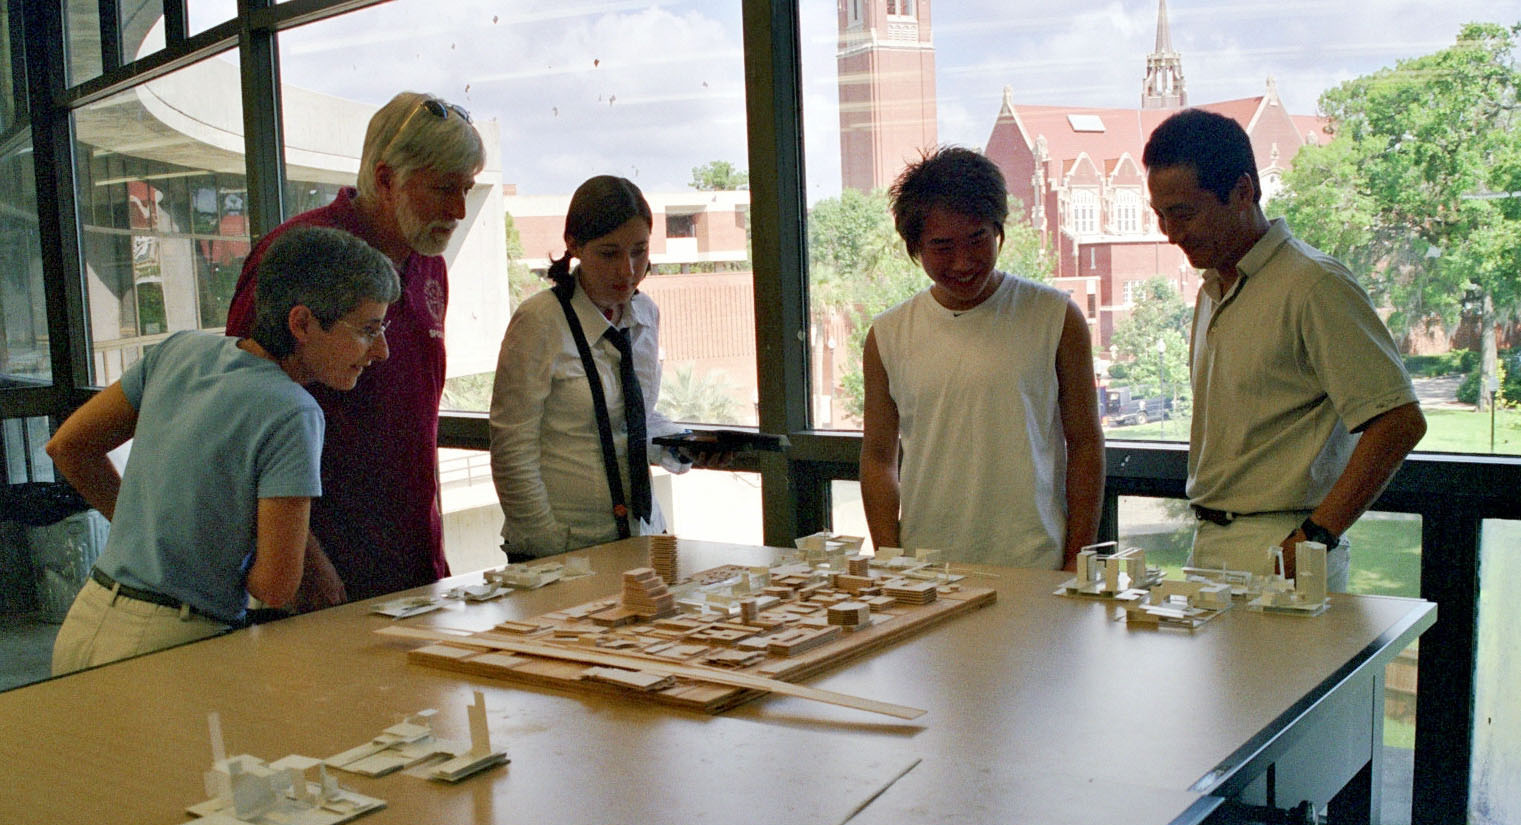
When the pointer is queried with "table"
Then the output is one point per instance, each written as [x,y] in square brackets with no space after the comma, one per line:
[1041,710]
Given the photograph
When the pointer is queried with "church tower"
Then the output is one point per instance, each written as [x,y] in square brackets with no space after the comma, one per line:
[886,63]
[1163,87]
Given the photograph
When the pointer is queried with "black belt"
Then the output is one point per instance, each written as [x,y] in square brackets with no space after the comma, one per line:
[1225,517]
[1220,517]
[149,596]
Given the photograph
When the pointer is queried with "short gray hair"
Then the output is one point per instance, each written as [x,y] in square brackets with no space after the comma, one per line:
[406,135]
[328,271]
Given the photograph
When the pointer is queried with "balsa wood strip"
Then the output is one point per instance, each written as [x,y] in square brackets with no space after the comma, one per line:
[696,672]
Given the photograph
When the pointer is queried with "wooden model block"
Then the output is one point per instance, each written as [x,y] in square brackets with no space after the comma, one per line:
[721,635]
[616,643]
[859,565]
[614,617]
[853,584]
[910,592]
[683,625]
[683,651]
[807,591]
[793,642]
[631,679]
[849,613]
[663,557]
[510,626]
[735,658]
[800,644]
[645,594]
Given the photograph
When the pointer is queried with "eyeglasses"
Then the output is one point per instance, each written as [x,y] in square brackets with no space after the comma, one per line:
[438,108]
[369,332]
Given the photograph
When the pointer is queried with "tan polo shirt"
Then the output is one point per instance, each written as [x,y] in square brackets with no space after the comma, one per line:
[1285,366]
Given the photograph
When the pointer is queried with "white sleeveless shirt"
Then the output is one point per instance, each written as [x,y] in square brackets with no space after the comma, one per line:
[984,458]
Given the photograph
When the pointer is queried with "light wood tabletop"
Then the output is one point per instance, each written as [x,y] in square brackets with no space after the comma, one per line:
[1041,709]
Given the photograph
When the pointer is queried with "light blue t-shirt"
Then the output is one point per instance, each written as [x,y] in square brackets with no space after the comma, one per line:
[217,430]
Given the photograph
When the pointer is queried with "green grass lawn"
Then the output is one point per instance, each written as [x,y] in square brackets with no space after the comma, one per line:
[1447,431]
[1386,553]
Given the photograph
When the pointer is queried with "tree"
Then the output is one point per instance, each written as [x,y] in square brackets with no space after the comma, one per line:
[521,281]
[687,396]
[718,175]
[1160,317]
[1400,193]
[858,267]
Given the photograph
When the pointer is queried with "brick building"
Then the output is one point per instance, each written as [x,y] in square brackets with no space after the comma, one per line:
[1078,172]
[886,65]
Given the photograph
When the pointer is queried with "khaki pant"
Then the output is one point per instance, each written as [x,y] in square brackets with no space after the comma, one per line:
[103,627]
[1247,543]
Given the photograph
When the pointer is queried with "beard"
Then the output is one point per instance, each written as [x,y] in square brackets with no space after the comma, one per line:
[427,238]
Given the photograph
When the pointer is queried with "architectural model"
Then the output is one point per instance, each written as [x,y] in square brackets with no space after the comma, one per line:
[663,557]
[246,791]
[412,743]
[531,576]
[1107,573]
[722,636]
[1185,604]
[828,550]
[1303,595]
[407,606]
[479,756]
[478,592]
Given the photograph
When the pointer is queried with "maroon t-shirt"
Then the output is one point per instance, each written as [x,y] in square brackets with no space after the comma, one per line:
[378,518]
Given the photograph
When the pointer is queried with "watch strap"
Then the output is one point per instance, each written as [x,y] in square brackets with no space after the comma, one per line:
[1316,533]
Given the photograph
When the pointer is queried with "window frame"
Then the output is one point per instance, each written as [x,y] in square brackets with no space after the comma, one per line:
[1453,493]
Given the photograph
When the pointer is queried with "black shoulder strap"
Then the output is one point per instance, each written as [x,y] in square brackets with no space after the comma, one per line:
[604,423]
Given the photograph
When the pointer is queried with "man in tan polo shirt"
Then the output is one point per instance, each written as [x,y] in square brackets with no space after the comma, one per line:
[1302,407]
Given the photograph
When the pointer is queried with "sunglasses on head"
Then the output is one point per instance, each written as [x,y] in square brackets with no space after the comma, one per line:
[441,109]
[438,108]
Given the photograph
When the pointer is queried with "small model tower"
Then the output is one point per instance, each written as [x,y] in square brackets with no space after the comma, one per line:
[645,594]
[663,557]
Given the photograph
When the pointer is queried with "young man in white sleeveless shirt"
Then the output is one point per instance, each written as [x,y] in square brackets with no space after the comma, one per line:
[985,382]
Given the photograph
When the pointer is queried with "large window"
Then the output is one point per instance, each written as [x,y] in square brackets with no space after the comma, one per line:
[24,354]
[654,93]
[162,198]
[1060,104]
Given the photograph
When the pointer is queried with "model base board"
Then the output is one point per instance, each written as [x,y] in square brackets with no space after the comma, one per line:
[789,640]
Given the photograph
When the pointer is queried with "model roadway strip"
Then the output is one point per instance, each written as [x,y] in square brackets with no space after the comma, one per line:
[695,672]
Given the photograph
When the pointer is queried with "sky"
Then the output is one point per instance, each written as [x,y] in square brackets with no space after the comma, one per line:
[650,89]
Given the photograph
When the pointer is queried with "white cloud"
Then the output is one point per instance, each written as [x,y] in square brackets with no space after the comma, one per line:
[656,87]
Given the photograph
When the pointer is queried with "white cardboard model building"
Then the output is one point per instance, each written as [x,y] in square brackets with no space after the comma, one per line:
[412,743]
[407,606]
[1120,575]
[1184,604]
[1303,595]
[246,791]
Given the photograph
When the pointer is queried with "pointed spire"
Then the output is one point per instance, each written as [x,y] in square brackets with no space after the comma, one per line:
[1163,87]
[1164,34]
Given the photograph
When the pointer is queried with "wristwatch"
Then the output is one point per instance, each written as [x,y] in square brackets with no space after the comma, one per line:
[1320,535]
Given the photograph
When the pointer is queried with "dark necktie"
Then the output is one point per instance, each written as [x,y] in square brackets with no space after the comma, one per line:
[633,412]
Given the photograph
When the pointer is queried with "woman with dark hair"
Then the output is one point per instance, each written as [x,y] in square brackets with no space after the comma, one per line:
[215,501]
[573,406]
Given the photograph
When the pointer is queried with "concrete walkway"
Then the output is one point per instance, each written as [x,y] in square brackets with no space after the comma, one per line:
[1440,392]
